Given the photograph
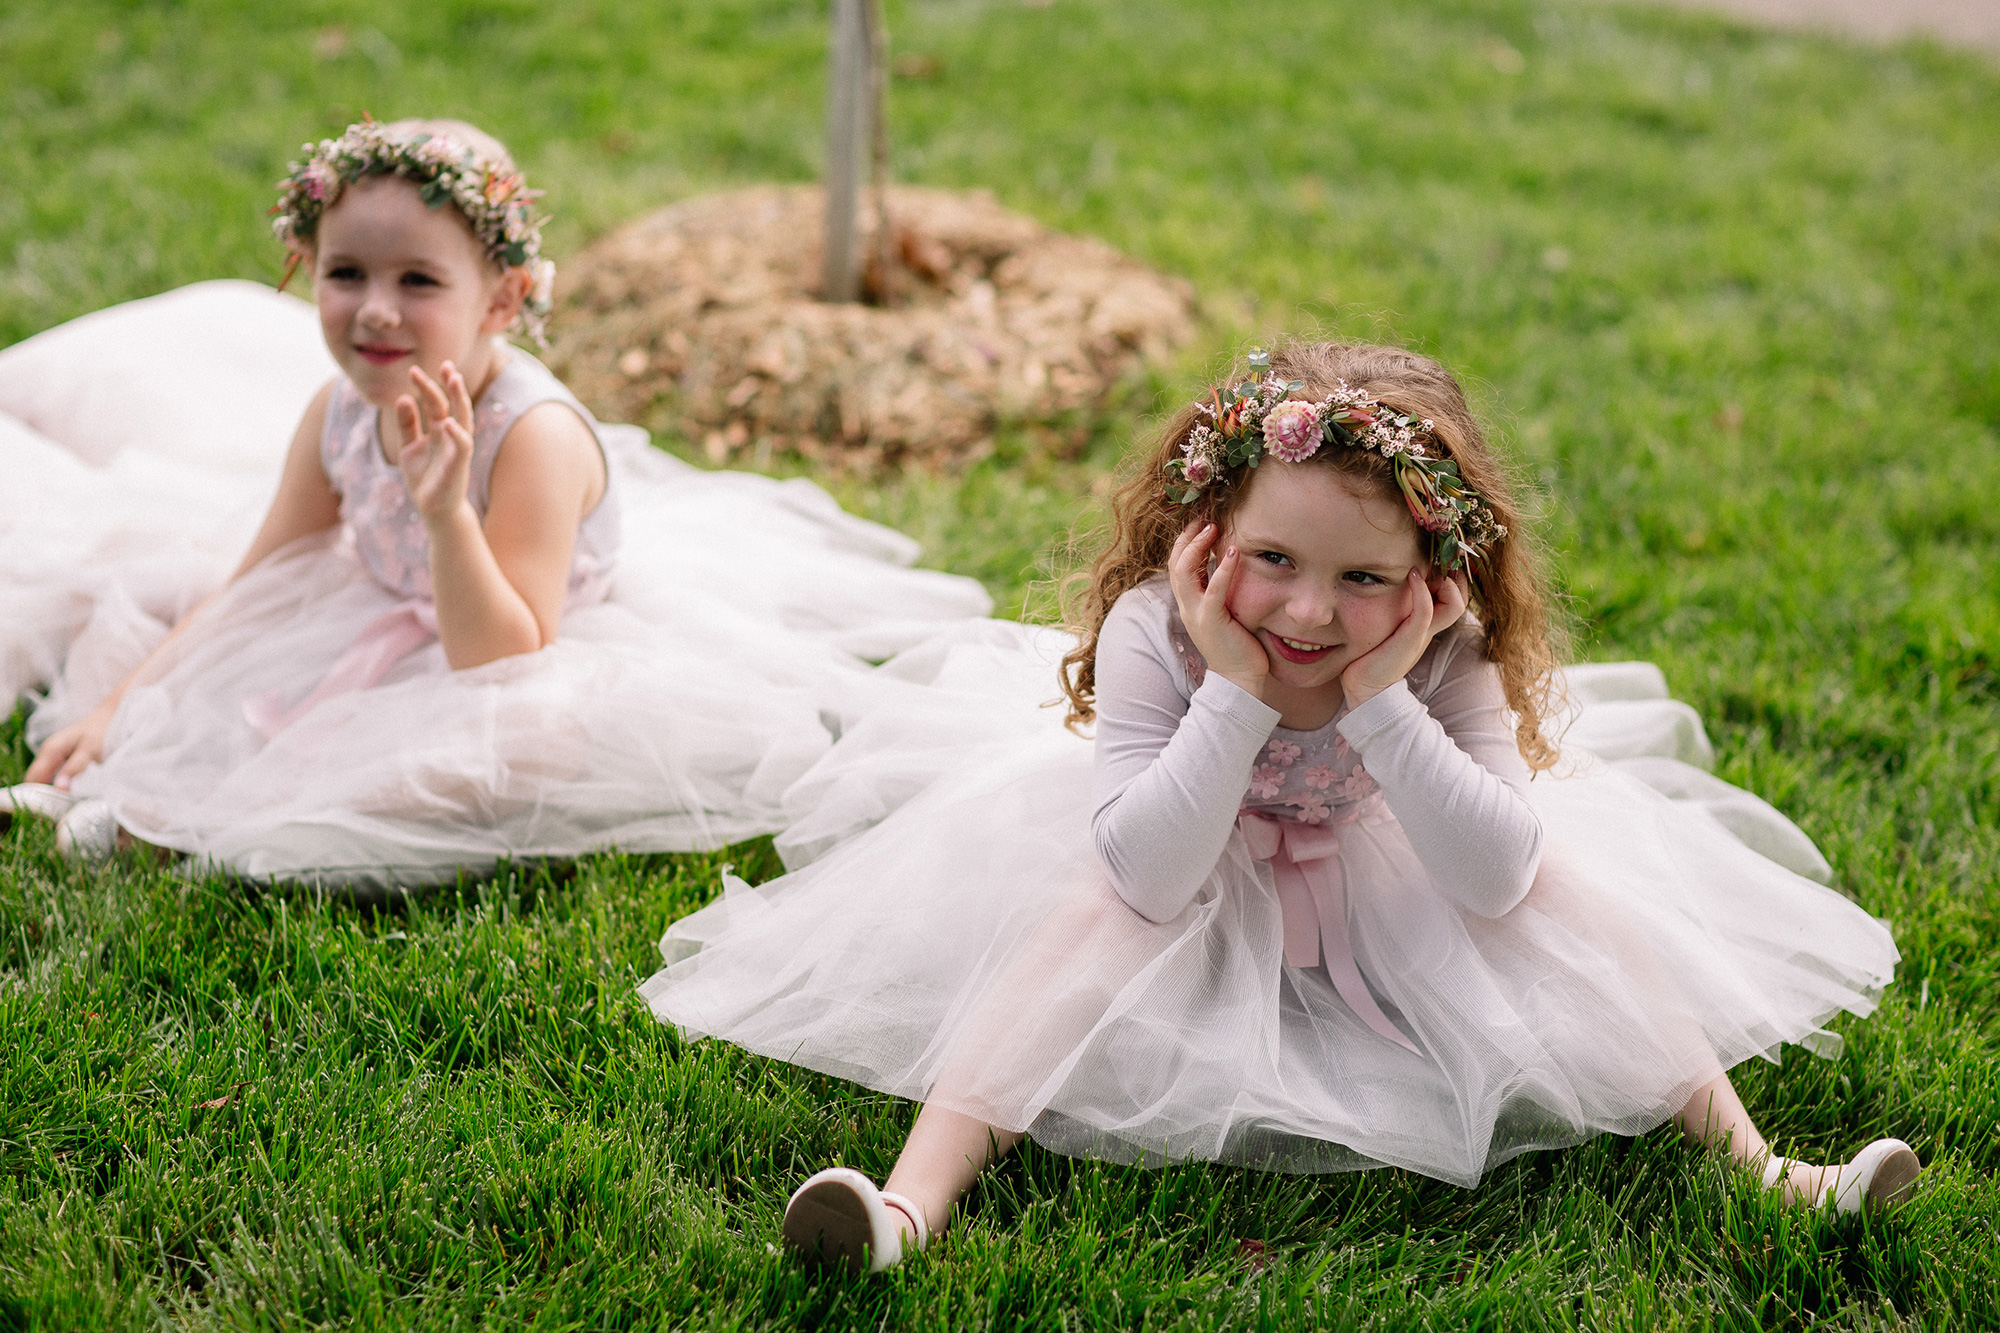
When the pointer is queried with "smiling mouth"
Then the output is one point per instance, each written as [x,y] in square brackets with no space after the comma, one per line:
[376,354]
[1297,650]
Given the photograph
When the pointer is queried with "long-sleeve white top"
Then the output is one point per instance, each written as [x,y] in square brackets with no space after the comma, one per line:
[1180,752]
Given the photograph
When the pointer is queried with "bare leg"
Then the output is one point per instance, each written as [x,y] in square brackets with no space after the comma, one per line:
[1715,1118]
[944,1154]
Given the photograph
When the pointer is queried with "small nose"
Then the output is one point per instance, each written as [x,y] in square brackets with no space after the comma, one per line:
[1313,605]
[378,308]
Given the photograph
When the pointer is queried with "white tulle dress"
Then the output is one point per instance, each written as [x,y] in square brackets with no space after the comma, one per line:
[307,725]
[1205,936]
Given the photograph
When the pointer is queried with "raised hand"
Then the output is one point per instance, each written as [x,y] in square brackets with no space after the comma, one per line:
[1229,649]
[436,457]
[1435,606]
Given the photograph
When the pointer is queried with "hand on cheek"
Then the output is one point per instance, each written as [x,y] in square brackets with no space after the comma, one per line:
[1230,650]
[1434,605]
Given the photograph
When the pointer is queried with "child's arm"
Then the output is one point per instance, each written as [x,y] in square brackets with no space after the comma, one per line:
[1170,771]
[305,504]
[499,586]
[1452,773]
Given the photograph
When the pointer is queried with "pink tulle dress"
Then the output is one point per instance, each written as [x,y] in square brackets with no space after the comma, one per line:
[308,726]
[1203,935]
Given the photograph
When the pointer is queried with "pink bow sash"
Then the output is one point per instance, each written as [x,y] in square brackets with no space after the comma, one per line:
[1312,899]
[385,641]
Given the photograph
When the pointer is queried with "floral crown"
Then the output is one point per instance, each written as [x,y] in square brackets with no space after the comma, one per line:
[493,198]
[1258,416]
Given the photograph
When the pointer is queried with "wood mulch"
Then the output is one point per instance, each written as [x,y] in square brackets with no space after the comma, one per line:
[703,316]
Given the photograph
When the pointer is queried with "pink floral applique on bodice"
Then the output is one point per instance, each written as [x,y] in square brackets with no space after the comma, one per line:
[1312,777]
[375,504]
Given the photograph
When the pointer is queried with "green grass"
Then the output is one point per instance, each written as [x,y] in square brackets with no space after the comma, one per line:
[1730,299]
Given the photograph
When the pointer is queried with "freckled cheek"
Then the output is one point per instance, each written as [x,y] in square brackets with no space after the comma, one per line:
[1252,598]
[1368,620]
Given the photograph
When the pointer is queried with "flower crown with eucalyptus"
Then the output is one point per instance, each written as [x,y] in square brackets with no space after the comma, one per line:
[1257,417]
[445,170]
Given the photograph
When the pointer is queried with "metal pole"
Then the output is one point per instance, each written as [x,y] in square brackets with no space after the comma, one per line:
[850,135]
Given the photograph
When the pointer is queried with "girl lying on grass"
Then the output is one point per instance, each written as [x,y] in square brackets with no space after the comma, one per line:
[420,664]
[1324,895]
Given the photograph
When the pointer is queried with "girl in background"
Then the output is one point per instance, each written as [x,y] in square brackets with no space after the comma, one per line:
[475,623]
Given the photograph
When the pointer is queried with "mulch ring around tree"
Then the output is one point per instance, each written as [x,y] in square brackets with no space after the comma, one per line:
[705,316]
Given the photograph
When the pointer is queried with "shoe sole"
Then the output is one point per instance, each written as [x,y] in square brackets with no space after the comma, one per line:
[1895,1179]
[828,1224]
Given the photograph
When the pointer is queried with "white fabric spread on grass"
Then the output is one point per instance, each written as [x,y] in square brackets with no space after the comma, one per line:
[672,714]
[950,933]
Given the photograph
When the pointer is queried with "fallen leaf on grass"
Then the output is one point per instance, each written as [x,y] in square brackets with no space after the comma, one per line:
[217,1103]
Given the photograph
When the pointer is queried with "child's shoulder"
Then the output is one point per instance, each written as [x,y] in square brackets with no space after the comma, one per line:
[1145,620]
[1146,610]
[524,382]
[1456,651]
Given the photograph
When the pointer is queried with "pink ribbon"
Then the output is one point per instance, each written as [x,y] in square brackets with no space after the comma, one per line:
[385,641]
[1312,899]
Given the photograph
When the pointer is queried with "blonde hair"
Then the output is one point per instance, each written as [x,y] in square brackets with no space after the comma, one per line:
[1509,591]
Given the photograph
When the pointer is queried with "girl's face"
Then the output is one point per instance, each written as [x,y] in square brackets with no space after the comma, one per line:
[402,284]
[1322,571]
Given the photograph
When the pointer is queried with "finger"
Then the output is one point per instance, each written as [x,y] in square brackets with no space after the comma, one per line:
[1216,598]
[460,442]
[1190,555]
[79,759]
[48,761]
[1451,600]
[408,421]
[1422,604]
[461,397]
[436,407]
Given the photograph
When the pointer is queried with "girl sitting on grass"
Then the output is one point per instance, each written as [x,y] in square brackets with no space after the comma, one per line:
[1322,896]
[418,665]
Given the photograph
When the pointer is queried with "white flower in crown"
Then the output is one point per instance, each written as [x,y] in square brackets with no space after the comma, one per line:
[441,149]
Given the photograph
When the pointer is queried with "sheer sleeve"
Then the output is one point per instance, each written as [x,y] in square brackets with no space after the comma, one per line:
[1453,776]
[1171,768]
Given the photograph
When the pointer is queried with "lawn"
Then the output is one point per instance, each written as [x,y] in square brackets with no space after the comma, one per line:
[1728,297]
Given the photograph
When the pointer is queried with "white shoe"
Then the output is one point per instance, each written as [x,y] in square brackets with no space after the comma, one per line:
[89,832]
[36,798]
[1881,1175]
[839,1217]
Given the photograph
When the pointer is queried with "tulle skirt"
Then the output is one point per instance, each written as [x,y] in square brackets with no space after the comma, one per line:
[948,936]
[670,717]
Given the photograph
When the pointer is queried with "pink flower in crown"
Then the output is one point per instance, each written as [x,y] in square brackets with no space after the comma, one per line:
[1291,431]
[1282,752]
[1319,776]
[1312,808]
[1266,782]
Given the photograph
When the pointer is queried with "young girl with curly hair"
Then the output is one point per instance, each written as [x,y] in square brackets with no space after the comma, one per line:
[1325,892]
